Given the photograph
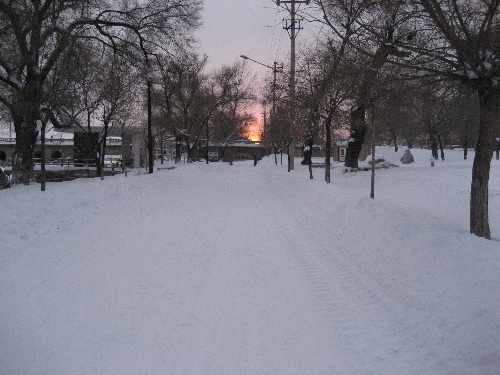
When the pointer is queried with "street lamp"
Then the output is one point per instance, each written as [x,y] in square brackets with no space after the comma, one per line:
[150,130]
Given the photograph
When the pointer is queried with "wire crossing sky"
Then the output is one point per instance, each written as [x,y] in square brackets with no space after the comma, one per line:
[253,28]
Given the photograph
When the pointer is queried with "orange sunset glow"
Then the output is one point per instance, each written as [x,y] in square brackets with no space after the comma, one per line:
[254,132]
[253,136]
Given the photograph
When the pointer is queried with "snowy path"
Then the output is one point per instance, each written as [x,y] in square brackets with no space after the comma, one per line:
[245,271]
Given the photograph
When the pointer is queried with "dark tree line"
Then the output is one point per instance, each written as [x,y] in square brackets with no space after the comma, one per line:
[429,67]
[39,39]
[198,107]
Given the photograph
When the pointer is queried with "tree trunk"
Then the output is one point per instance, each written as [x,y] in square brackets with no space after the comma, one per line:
[161,148]
[190,150]
[288,155]
[308,149]
[358,112]
[22,159]
[222,152]
[434,145]
[409,142]
[98,166]
[372,180]
[465,145]
[395,137]
[25,123]
[358,133]
[306,156]
[43,175]
[488,128]
[328,123]
[441,147]
[103,151]
[308,144]
[178,144]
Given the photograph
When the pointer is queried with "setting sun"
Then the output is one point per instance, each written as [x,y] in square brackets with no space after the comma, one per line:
[254,131]
[253,137]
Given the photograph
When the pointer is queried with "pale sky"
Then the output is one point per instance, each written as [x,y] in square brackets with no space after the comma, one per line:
[247,27]
[253,28]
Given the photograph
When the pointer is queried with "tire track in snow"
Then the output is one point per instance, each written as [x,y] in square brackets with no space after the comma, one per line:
[359,305]
[245,290]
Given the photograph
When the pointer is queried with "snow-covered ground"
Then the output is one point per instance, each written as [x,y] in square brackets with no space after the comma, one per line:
[239,269]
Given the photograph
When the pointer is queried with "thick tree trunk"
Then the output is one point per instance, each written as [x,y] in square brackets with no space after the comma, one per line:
[22,159]
[358,112]
[308,153]
[488,129]
[307,150]
[357,138]
[306,156]
[25,123]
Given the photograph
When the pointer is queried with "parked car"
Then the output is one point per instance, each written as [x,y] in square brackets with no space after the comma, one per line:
[5,179]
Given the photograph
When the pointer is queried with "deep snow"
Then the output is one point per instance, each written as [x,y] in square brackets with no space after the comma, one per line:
[239,269]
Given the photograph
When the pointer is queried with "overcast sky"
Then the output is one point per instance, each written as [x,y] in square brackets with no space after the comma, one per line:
[247,27]
[253,28]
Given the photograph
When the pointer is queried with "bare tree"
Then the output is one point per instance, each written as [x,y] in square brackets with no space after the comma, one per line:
[455,40]
[117,94]
[327,87]
[275,91]
[35,34]
[370,28]
[235,85]
[465,117]
[459,41]
[186,99]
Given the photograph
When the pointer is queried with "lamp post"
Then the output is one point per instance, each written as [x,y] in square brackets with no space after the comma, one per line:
[276,69]
[150,130]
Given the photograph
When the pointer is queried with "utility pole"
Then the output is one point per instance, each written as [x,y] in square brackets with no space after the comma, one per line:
[276,69]
[292,26]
